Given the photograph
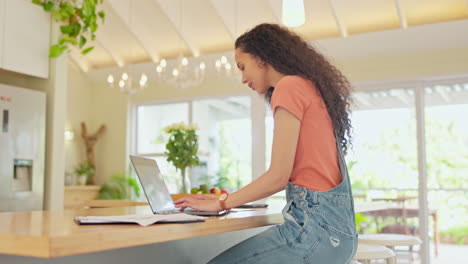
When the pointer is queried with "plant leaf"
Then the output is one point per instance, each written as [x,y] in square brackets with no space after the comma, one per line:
[102,15]
[66,29]
[70,40]
[48,6]
[56,50]
[85,51]
[82,41]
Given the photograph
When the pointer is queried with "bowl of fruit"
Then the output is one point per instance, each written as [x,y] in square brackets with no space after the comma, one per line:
[202,189]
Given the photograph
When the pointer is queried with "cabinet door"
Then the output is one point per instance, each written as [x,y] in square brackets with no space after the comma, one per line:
[2,22]
[26,38]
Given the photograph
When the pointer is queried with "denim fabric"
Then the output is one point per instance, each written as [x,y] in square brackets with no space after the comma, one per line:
[319,228]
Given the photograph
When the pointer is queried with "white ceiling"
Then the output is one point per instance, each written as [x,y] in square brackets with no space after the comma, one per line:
[145,31]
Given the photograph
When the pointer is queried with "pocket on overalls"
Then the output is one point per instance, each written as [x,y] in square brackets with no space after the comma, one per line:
[333,247]
[290,213]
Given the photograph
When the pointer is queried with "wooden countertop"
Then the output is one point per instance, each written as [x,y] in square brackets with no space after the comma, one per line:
[51,234]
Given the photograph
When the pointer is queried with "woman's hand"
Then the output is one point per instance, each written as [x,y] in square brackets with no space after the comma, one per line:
[203,203]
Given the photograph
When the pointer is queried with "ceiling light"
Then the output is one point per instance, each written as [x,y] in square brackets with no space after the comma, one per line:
[124,76]
[223,60]
[293,13]
[184,61]
[110,79]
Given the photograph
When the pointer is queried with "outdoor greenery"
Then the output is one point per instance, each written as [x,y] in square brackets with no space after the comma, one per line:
[120,186]
[79,22]
[455,235]
[395,167]
[182,149]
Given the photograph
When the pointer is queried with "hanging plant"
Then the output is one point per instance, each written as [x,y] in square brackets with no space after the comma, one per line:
[79,23]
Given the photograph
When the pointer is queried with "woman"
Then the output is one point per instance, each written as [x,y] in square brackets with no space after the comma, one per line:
[310,101]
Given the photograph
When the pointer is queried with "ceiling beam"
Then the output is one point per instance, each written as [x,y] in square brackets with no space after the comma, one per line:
[276,9]
[173,13]
[362,98]
[79,59]
[107,47]
[402,95]
[401,14]
[441,90]
[135,29]
[339,23]
[227,16]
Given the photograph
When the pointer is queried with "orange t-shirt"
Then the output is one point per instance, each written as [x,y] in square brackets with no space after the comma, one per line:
[316,161]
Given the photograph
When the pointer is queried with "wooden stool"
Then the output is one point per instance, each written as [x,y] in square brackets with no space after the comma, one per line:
[391,241]
[367,252]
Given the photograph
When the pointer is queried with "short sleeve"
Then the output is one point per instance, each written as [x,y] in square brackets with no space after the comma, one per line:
[293,94]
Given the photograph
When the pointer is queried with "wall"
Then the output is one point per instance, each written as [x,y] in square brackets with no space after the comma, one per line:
[79,109]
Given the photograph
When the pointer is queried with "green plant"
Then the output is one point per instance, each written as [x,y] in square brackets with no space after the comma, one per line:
[84,168]
[120,186]
[182,148]
[361,221]
[457,235]
[78,21]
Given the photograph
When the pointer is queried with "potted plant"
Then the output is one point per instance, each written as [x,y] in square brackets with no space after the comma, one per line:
[119,187]
[78,21]
[181,150]
[83,170]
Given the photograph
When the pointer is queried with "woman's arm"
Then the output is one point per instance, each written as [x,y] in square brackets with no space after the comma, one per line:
[285,137]
[286,134]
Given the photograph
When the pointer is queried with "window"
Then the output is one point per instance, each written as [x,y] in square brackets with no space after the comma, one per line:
[151,119]
[225,142]
[224,139]
[446,129]
[150,138]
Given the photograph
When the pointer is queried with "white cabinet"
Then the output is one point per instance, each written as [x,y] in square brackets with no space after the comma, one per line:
[2,18]
[26,38]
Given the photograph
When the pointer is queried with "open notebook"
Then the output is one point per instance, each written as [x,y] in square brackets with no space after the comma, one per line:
[143,220]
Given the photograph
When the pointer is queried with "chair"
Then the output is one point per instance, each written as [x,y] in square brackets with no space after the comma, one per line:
[366,252]
[391,241]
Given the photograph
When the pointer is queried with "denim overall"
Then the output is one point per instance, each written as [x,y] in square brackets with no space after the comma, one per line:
[319,228]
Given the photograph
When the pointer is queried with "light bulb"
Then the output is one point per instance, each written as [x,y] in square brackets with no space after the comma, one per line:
[223,59]
[163,63]
[110,78]
[175,72]
[227,66]
[184,61]
[143,78]
[124,76]
[293,13]
[159,69]
[218,64]
[202,66]
[121,83]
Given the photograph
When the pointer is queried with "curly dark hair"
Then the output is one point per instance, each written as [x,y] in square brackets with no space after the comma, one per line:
[289,54]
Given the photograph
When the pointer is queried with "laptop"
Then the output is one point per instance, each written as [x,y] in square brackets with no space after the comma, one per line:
[156,191]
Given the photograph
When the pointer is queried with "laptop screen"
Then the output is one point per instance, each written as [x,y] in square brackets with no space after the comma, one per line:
[153,184]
